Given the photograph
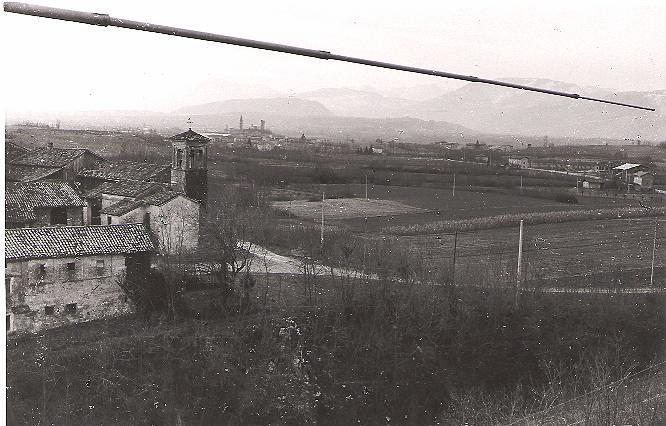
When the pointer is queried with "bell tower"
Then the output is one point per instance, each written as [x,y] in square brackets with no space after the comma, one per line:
[189,165]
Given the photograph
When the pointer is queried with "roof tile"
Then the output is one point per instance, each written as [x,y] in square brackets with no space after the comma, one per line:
[66,241]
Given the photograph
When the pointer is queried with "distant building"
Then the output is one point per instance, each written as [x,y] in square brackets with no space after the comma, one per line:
[377,150]
[36,204]
[644,180]
[592,184]
[56,276]
[519,162]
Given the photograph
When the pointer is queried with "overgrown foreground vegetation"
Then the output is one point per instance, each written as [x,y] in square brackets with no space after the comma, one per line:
[345,352]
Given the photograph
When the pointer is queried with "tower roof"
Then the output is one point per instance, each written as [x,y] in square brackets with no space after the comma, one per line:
[189,136]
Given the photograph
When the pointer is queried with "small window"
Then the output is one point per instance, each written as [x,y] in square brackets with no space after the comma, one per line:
[71,269]
[70,308]
[99,266]
[41,271]
[108,220]
[49,310]
[8,286]
[9,322]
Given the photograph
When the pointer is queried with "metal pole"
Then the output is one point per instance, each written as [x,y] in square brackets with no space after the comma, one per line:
[455,250]
[105,20]
[654,248]
[454,185]
[520,264]
[521,184]
[323,198]
[366,187]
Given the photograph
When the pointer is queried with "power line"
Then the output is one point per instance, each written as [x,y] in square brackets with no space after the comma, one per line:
[104,20]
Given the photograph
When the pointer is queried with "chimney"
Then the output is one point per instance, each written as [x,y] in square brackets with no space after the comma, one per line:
[49,144]
[263,125]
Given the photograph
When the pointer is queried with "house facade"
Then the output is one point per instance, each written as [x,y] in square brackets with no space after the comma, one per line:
[56,276]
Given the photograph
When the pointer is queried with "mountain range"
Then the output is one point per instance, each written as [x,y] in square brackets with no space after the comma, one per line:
[423,113]
[485,109]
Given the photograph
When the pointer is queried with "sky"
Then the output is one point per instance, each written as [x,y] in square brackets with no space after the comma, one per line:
[60,66]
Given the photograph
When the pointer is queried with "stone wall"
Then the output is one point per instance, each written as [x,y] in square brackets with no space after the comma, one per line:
[41,292]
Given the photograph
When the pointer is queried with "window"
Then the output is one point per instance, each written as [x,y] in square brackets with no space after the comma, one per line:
[8,286]
[71,270]
[108,220]
[41,271]
[179,158]
[9,322]
[70,308]
[49,310]
[59,216]
[99,266]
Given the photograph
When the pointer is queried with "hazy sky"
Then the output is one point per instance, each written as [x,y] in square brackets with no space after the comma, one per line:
[53,65]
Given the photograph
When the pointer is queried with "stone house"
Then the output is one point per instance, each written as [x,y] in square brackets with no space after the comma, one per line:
[519,162]
[36,204]
[171,217]
[50,163]
[56,276]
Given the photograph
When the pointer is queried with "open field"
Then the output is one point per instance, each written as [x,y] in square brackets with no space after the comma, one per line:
[609,247]
[345,208]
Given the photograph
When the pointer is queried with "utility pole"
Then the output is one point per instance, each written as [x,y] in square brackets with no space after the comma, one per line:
[323,198]
[454,184]
[654,248]
[521,188]
[366,187]
[519,272]
[452,288]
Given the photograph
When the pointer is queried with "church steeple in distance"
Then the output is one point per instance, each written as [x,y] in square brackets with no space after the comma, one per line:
[241,122]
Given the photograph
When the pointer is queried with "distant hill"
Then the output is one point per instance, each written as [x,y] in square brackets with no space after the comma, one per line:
[360,103]
[499,110]
[284,106]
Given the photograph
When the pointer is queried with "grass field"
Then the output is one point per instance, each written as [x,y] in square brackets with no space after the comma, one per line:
[436,204]
[345,208]
[550,251]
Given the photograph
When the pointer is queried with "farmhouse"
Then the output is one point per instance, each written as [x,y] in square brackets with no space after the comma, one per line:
[35,204]
[519,162]
[644,180]
[592,184]
[50,163]
[62,275]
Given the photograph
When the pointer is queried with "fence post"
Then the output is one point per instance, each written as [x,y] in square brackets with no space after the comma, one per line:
[519,271]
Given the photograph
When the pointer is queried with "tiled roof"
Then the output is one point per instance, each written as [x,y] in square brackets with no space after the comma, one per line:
[121,207]
[189,136]
[18,214]
[66,241]
[120,169]
[20,173]
[124,188]
[13,151]
[50,157]
[42,194]
[161,197]
[626,166]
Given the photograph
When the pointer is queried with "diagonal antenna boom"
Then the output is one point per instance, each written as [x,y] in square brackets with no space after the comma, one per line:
[105,20]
